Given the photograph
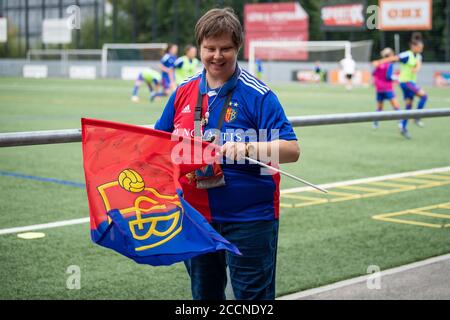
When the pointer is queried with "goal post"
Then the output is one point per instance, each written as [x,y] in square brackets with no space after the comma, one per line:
[65,56]
[125,46]
[307,50]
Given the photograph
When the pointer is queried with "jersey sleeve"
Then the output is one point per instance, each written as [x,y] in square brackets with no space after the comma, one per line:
[390,72]
[404,57]
[271,116]
[171,61]
[178,63]
[165,122]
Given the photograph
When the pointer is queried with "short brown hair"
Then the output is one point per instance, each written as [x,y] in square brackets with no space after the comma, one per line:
[386,52]
[188,47]
[416,38]
[217,22]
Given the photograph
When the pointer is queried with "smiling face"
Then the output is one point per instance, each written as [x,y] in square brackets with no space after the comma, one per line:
[219,56]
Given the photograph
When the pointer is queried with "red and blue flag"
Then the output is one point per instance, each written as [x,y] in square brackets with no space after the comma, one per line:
[135,199]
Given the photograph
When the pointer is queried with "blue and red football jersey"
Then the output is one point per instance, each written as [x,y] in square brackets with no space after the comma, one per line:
[247,195]
[168,61]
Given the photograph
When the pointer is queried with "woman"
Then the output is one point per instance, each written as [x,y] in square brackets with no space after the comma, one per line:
[239,202]
[166,65]
[410,64]
[187,65]
[383,76]
[153,80]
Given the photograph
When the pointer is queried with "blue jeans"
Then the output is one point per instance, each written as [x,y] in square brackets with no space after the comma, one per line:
[252,274]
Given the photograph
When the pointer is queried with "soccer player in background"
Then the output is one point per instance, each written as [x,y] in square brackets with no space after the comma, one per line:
[383,76]
[153,80]
[348,66]
[410,64]
[187,65]
[259,68]
[318,71]
[166,66]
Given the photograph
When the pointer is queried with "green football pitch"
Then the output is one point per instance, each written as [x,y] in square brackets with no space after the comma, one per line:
[322,239]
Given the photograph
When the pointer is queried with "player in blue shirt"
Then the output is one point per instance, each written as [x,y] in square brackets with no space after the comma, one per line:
[259,69]
[238,200]
[166,65]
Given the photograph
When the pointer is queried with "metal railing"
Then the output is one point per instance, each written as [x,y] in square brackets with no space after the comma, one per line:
[12,139]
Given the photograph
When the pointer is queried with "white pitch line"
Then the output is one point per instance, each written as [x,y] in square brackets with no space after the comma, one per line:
[50,225]
[367,180]
[285,191]
[348,282]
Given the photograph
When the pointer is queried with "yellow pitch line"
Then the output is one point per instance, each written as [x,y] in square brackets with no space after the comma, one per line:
[430,214]
[293,196]
[399,186]
[436,177]
[417,223]
[423,211]
[344,196]
[421,182]
[436,206]
[310,201]
[408,184]
[392,214]
[372,190]
[299,205]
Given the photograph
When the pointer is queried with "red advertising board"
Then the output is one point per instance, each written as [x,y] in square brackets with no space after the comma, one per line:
[285,21]
[277,53]
[343,16]
[282,16]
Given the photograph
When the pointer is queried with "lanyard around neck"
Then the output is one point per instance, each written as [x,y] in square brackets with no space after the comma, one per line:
[198,113]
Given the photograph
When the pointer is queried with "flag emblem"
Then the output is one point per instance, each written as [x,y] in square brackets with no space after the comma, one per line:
[135,198]
[151,216]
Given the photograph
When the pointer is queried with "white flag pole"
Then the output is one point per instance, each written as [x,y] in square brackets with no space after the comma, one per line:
[286,174]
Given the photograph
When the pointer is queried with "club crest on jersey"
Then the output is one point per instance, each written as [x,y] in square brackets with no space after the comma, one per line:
[231,112]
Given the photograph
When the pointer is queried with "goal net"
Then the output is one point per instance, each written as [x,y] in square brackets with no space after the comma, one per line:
[278,56]
[63,54]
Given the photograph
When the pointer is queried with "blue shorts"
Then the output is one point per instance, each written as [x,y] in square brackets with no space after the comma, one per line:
[410,89]
[388,95]
[166,81]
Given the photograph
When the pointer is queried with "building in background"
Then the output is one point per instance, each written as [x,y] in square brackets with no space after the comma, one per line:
[25,19]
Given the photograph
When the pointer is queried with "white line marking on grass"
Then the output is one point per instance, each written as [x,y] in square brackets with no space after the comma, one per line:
[293,190]
[345,283]
[43,226]
[367,180]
